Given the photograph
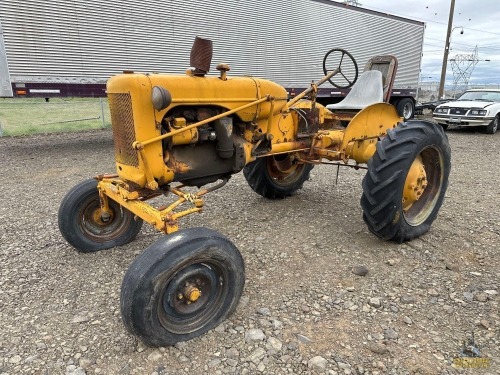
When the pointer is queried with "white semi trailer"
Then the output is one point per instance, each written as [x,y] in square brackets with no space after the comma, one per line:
[70,48]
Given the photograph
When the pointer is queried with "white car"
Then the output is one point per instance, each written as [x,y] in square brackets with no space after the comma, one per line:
[478,107]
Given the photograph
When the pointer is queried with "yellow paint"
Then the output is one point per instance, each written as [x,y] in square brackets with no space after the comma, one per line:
[259,105]
[415,184]
[164,220]
[193,293]
[359,142]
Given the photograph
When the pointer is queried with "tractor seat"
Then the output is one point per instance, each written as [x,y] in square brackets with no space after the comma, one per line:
[367,90]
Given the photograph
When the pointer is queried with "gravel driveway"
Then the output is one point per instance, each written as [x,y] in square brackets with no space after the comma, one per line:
[303,310]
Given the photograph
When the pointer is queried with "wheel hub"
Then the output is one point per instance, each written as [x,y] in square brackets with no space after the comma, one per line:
[415,184]
[190,290]
[101,217]
[284,164]
[284,171]
[191,293]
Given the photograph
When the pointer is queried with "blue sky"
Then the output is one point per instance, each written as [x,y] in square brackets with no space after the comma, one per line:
[480,20]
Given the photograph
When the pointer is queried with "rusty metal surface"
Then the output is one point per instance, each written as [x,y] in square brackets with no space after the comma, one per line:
[345,115]
[201,55]
[308,121]
[122,120]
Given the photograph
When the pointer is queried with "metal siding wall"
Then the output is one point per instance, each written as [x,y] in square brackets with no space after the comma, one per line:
[90,40]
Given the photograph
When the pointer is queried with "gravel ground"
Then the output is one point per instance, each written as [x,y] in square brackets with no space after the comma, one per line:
[303,311]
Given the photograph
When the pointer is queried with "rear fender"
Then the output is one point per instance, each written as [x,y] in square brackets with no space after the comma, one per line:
[372,122]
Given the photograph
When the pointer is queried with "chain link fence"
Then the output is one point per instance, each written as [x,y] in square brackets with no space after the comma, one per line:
[20,116]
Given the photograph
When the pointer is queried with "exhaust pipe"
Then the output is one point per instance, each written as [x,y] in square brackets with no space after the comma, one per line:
[224,129]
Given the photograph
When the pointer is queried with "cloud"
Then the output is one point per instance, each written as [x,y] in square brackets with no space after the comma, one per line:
[479,21]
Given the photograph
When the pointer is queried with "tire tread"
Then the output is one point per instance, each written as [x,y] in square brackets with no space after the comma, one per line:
[382,185]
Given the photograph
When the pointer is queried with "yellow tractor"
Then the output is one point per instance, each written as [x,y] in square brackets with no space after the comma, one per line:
[180,137]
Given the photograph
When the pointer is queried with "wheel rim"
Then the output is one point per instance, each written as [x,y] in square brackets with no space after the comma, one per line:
[407,110]
[422,189]
[94,227]
[283,171]
[495,124]
[192,297]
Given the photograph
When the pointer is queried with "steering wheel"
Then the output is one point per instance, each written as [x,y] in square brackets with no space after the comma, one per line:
[347,67]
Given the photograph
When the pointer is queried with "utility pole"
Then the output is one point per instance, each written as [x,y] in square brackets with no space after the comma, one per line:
[446,50]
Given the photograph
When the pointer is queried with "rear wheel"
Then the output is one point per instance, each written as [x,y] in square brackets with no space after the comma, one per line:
[182,286]
[406,181]
[86,228]
[493,126]
[276,177]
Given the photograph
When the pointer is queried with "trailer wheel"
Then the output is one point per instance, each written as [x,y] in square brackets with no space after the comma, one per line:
[276,177]
[81,224]
[406,181]
[347,65]
[182,286]
[406,108]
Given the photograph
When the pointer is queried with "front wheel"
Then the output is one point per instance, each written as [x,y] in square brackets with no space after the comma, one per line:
[182,286]
[493,125]
[276,177]
[86,228]
[406,181]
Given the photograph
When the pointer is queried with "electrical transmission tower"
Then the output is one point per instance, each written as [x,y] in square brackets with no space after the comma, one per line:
[352,2]
[462,66]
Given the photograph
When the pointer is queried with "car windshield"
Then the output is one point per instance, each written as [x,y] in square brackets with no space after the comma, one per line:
[487,96]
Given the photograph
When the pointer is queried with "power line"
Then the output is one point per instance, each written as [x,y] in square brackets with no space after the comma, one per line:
[427,20]
[491,46]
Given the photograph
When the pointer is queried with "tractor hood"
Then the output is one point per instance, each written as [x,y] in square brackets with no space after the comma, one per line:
[187,90]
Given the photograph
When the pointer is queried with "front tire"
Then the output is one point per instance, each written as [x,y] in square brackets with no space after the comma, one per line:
[82,225]
[493,125]
[182,286]
[406,181]
[276,177]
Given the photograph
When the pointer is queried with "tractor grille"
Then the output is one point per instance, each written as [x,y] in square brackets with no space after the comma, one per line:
[122,119]
[458,111]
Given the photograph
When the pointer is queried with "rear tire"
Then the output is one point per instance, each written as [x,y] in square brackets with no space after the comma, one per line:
[493,126]
[81,225]
[182,286]
[276,177]
[386,180]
